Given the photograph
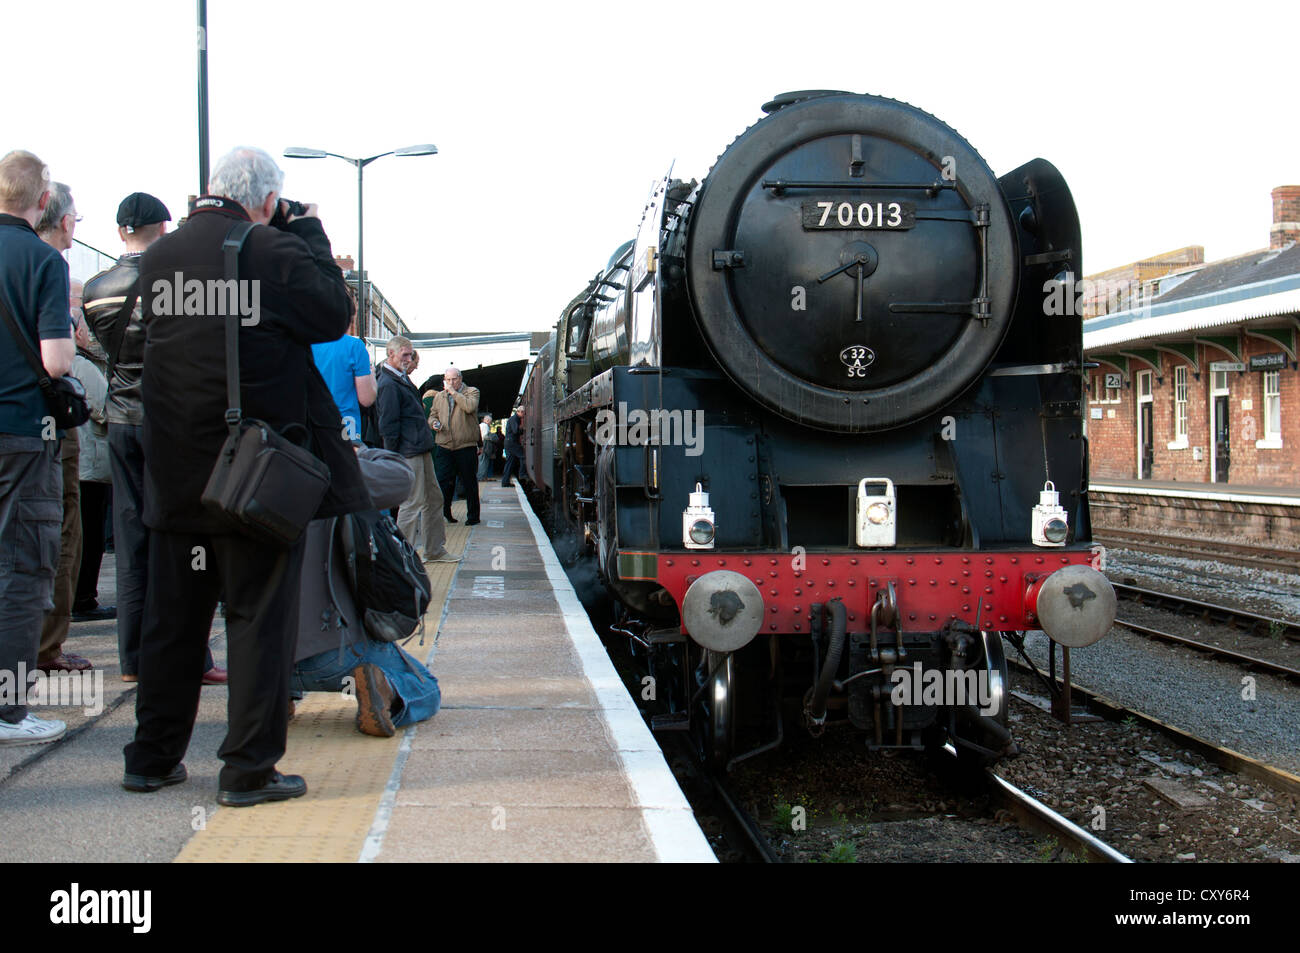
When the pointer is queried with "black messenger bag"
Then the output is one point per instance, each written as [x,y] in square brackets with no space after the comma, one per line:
[266,486]
[64,396]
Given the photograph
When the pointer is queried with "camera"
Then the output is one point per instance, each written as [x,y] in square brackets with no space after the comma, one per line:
[285,208]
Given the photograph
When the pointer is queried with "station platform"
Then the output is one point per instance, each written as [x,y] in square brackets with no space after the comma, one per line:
[1213,515]
[537,755]
[1227,492]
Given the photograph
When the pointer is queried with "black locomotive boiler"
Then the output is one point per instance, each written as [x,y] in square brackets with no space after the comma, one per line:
[822,440]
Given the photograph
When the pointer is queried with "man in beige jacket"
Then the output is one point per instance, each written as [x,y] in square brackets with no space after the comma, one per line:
[454,419]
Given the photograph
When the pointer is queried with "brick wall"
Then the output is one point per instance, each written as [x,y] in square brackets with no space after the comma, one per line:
[1113,439]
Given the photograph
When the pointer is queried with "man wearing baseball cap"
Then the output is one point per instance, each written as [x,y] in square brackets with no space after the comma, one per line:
[113,310]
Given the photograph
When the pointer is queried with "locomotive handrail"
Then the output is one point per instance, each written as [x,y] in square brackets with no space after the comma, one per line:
[780,185]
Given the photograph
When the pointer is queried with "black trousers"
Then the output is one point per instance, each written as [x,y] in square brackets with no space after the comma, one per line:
[513,466]
[94,507]
[187,572]
[453,465]
[130,541]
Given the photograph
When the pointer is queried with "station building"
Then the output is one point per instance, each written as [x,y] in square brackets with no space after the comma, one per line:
[1197,376]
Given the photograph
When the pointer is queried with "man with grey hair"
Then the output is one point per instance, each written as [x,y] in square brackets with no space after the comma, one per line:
[402,424]
[195,554]
[56,227]
[34,298]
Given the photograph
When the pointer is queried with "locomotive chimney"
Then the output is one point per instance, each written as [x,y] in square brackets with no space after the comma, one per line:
[1286,216]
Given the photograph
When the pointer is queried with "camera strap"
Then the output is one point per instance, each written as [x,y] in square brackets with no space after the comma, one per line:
[25,346]
[230,248]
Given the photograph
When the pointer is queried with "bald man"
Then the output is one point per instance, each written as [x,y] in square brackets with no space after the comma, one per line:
[454,419]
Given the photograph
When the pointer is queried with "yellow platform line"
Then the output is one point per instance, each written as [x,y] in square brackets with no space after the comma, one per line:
[346,771]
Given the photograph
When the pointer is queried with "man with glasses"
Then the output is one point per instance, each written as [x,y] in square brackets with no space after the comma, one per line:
[405,431]
[56,227]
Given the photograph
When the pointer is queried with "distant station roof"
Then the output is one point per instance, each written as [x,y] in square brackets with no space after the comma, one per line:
[1174,302]
[1260,288]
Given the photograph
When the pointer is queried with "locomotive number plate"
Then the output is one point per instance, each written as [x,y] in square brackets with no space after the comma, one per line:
[889,216]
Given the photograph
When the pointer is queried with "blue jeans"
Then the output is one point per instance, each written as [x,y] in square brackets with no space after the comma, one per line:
[415,691]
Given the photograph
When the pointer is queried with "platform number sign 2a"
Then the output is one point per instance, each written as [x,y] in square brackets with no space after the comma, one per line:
[1114,381]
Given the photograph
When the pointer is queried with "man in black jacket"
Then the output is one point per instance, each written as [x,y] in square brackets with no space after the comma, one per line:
[514,446]
[406,431]
[114,312]
[290,295]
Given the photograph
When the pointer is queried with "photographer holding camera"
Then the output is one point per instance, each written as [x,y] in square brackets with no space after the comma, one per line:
[298,298]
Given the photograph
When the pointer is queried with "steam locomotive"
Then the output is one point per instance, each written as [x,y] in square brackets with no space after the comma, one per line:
[820,438]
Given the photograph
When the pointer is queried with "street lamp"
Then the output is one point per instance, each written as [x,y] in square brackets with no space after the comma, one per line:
[298,152]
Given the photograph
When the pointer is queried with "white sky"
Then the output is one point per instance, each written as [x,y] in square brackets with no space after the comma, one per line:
[1170,122]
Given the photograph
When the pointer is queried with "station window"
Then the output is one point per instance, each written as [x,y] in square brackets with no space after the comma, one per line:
[1180,404]
[1273,407]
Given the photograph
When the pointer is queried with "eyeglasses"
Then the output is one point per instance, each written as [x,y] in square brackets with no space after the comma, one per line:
[75,217]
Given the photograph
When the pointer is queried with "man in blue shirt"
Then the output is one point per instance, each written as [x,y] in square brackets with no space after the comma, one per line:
[345,365]
[34,291]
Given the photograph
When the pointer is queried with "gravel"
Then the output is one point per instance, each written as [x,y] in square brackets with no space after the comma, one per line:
[1107,776]
[1189,690]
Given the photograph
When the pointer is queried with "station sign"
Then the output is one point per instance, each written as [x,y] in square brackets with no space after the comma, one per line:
[1114,381]
[1227,366]
[1268,362]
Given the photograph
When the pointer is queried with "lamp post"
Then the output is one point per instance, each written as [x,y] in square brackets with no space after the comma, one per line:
[298,152]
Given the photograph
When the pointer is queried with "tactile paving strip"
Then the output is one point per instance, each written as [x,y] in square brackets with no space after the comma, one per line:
[346,771]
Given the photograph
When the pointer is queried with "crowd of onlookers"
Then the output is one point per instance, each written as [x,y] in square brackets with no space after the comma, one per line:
[159,421]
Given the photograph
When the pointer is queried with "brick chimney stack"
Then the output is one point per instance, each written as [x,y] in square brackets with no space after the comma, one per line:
[1286,216]
[347,265]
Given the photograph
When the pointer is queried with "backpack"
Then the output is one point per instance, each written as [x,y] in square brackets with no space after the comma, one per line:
[387,578]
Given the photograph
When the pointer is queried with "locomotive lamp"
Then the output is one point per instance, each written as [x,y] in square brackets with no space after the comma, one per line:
[698,527]
[877,513]
[1050,525]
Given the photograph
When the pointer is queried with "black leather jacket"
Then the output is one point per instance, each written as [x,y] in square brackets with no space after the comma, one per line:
[106,295]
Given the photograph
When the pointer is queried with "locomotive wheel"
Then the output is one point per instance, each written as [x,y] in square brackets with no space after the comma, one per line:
[995,671]
[719,700]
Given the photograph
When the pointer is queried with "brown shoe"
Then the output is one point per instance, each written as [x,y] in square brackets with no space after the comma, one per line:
[130,678]
[374,701]
[66,662]
[215,676]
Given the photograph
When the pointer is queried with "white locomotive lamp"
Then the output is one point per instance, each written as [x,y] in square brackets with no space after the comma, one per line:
[1050,524]
[877,513]
[698,526]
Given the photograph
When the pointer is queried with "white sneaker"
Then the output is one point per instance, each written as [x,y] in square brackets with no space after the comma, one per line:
[31,731]
[442,557]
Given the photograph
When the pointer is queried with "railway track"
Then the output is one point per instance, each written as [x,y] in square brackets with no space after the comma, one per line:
[1240,554]
[1251,622]
[1226,758]
[1240,658]
[1036,816]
